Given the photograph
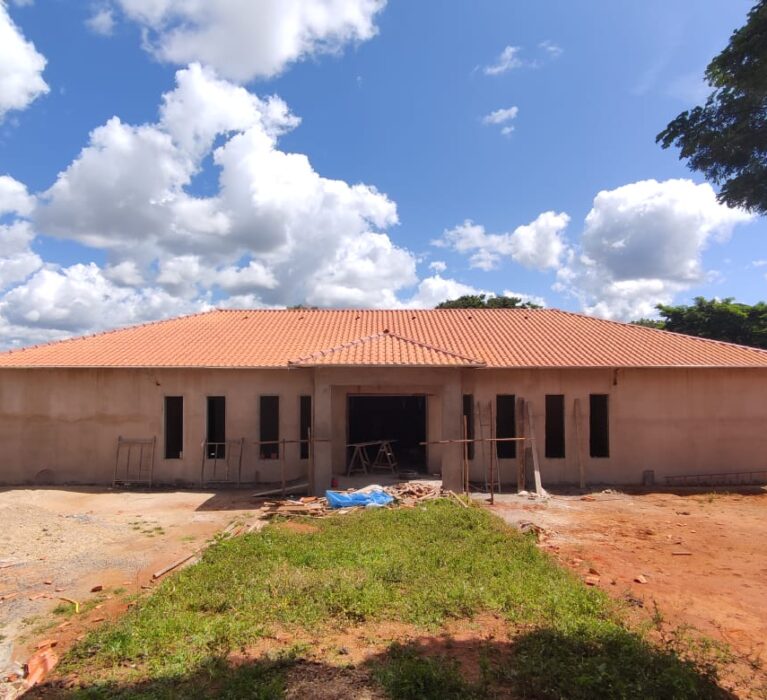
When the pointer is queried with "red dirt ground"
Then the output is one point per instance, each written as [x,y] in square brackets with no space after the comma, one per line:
[703,555]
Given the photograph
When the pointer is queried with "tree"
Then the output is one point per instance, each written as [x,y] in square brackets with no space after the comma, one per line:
[716,319]
[482,301]
[649,323]
[726,139]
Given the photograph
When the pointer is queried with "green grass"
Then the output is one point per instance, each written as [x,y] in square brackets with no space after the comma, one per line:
[409,675]
[422,566]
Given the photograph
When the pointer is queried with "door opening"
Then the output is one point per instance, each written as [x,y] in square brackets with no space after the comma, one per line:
[399,419]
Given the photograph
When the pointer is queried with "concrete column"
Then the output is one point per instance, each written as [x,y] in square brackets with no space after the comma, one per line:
[322,430]
[452,429]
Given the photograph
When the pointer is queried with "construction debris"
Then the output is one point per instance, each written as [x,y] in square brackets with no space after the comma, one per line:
[406,495]
[413,492]
[174,565]
[39,665]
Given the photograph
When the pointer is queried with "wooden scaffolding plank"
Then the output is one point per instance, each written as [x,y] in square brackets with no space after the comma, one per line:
[534,448]
[521,449]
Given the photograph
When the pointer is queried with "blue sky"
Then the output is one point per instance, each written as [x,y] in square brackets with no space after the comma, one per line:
[355,153]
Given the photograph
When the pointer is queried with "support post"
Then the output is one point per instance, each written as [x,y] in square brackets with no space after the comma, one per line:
[521,447]
[323,433]
[465,472]
[534,448]
[310,472]
[452,414]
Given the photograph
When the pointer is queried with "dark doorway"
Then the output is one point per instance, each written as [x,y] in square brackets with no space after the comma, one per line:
[401,419]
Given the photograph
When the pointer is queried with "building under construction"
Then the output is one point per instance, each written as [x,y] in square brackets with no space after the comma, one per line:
[287,396]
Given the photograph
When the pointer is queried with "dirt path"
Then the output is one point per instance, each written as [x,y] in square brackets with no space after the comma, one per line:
[61,543]
[703,555]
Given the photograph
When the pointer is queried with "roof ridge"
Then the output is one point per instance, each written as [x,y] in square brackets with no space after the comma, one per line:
[436,348]
[335,348]
[377,336]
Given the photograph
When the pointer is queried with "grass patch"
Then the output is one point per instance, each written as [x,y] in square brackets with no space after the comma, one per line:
[594,662]
[422,566]
[409,675]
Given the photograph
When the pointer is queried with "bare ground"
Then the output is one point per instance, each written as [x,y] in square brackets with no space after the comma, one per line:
[702,554]
[61,543]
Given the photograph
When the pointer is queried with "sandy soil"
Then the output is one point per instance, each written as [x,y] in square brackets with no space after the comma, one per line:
[57,542]
[702,555]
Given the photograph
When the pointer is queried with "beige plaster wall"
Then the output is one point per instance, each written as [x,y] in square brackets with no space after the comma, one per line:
[673,421]
[68,421]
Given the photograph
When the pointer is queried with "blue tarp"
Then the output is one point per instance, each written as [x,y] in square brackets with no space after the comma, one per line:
[369,499]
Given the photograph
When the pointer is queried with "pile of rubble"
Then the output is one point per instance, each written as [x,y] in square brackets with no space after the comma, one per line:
[406,495]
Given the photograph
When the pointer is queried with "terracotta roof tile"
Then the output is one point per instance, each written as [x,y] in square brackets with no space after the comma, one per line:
[436,337]
[386,349]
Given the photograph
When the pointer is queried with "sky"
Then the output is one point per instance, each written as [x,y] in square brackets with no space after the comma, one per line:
[164,157]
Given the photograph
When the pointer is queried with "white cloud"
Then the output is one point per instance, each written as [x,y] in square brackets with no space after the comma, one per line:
[436,289]
[538,245]
[240,280]
[438,266]
[14,198]
[366,272]
[274,232]
[501,116]
[508,60]
[124,274]
[247,39]
[123,188]
[203,106]
[642,244]
[101,22]
[17,260]
[76,299]
[21,67]
[180,275]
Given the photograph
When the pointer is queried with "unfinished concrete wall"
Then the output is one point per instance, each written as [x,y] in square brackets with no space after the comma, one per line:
[65,423]
[62,425]
[673,421]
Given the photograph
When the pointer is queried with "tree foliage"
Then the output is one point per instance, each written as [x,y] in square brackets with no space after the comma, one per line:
[482,301]
[726,139]
[716,319]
